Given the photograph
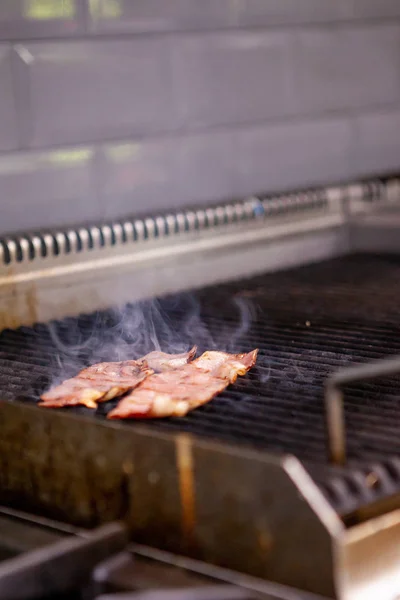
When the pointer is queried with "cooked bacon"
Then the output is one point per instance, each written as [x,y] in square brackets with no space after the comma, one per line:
[97,383]
[104,381]
[175,393]
[161,361]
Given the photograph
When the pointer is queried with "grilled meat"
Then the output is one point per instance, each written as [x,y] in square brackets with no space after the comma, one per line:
[104,381]
[97,383]
[161,361]
[176,392]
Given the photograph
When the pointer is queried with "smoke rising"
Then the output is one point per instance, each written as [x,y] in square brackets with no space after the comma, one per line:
[171,325]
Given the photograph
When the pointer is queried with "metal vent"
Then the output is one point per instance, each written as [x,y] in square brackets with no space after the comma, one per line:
[29,247]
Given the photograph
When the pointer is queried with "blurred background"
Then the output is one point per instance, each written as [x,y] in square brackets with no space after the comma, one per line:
[112,108]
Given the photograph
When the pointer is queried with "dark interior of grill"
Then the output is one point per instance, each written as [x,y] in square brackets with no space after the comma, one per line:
[307,322]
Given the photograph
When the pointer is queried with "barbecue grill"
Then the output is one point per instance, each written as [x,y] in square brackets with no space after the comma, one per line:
[293,474]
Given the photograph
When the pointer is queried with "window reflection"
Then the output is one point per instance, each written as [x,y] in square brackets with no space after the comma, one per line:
[106,9]
[45,10]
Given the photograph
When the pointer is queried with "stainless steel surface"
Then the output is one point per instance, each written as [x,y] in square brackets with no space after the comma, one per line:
[334,400]
[112,279]
[58,567]
[266,589]
[135,474]
[60,273]
[300,542]
[66,273]
[227,114]
[361,574]
[137,567]
[217,592]
[377,232]
[275,210]
[367,560]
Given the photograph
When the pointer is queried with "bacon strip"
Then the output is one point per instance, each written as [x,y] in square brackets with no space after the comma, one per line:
[161,361]
[97,383]
[175,393]
[104,381]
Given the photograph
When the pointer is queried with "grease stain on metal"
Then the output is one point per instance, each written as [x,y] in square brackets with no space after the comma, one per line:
[127,467]
[184,460]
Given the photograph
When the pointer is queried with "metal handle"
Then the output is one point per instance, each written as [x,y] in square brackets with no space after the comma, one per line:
[334,400]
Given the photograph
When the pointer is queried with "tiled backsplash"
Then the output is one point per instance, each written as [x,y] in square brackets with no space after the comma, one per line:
[116,107]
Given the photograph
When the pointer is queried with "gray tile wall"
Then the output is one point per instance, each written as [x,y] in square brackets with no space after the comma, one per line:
[110,108]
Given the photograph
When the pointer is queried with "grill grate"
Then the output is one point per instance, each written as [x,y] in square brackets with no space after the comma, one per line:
[307,322]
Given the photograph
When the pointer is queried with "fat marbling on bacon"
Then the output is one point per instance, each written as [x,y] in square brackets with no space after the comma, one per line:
[104,381]
[161,361]
[176,392]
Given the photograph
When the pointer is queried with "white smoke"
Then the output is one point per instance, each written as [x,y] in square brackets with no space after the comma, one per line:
[174,324]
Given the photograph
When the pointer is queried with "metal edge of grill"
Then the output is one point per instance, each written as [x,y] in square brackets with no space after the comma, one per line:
[147,480]
[358,198]
[174,252]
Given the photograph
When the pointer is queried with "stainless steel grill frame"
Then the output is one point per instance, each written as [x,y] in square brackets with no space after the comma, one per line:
[146,475]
